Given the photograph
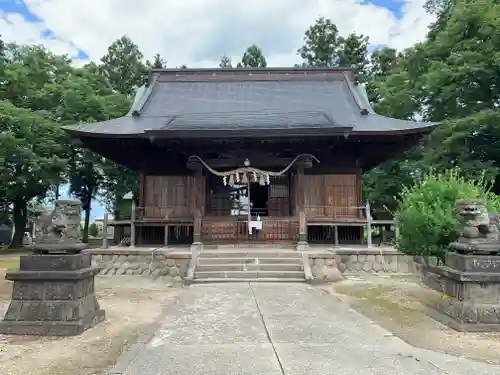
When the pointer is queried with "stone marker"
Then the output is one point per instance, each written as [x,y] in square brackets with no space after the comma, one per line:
[53,292]
[470,278]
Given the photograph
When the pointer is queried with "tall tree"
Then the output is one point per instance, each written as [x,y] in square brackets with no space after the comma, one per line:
[32,75]
[157,63]
[125,71]
[325,47]
[463,88]
[322,44]
[82,101]
[253,58]
[382,63]
[225,62]
[393,90]
[30,78]
[123,66]
[354,52]
[32,159]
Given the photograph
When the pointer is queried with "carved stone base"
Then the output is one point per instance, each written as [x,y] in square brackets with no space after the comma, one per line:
[466,316]
[470,287]
[476,246]
[53,295]
[61,248]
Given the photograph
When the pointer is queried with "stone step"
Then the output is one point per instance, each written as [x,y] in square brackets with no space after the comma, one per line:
[249,267]
[250,254]
[245,260]
[248,274]
[243,280]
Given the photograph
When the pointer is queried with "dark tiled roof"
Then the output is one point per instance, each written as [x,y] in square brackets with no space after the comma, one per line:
[233,100]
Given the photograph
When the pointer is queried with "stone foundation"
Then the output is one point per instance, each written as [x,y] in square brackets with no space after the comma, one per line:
[358,261]
[142,262]
[53,295]
[470,292]
[325,265]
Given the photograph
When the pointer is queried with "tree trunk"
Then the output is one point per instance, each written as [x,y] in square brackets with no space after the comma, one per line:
[20,213]
[86,223]
[57,192]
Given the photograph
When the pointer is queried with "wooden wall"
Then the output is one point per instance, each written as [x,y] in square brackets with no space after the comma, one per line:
[332,195]
[327,195]
[168,196]
[279,197]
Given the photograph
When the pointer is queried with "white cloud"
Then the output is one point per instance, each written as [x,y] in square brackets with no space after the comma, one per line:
[198,32]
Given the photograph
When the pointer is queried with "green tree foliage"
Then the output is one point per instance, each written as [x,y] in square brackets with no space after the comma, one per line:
[93,230]
[325,47]
[427,215]
[87,101]
[157,63]
[253,58]
[32,159]
[225,62]
[123,66]
[36,80]
[462,87]
[354,52]
[321,44]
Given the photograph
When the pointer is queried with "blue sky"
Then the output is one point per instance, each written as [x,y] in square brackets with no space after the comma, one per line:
[183,34]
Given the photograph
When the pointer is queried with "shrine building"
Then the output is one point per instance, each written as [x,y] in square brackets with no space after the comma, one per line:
[219,149]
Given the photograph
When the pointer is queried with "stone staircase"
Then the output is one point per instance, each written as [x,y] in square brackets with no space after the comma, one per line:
[239,265]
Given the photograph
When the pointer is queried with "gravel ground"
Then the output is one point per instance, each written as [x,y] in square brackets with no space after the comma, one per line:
[131,304]
[395,302]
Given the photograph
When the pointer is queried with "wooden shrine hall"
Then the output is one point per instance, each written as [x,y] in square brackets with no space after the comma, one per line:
[249,155]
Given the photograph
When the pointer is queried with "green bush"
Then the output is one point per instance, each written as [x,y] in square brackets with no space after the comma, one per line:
[93,230]
[426,212]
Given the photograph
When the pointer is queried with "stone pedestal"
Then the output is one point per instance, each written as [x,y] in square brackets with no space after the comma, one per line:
[53,295]
[471,292]
[302,243]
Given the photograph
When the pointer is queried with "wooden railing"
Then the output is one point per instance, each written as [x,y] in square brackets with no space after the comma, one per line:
[215,229]
[323,224]
[318,212]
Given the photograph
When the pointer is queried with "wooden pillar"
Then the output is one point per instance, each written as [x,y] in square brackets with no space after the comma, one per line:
[336,235]
[105,231]
[165,239]
[302,242]
[368,225]
[142,189]
[197,193]
[132,225]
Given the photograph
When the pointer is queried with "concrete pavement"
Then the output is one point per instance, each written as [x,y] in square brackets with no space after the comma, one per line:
[278,329]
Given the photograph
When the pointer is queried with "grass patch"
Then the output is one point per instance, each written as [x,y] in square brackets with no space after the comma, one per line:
[9,262]
[379,297]
[5,250]
[5,287]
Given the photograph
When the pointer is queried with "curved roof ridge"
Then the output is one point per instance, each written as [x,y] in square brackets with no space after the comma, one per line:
[137,97]
[357,96]
[141,98]
[364,95]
